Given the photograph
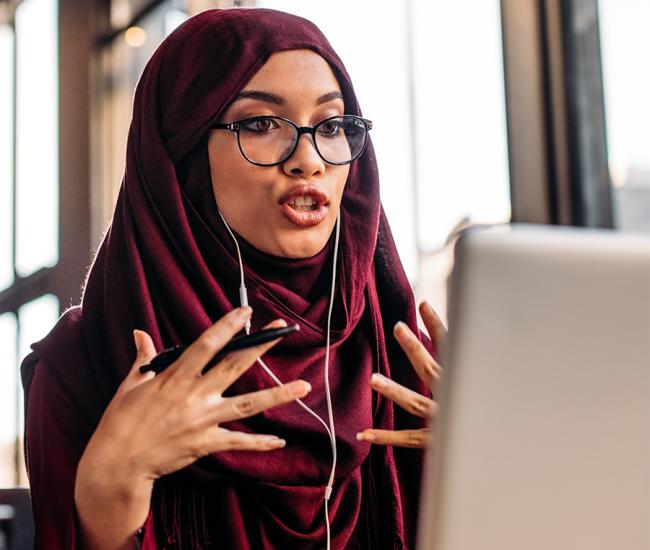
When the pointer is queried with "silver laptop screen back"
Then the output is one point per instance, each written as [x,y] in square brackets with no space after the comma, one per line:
[543,438]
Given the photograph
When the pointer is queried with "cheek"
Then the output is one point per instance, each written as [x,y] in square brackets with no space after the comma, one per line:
[227,172]
[240,192]
[341,182]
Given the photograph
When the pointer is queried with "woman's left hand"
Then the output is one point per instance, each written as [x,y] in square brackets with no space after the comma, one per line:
[429,372]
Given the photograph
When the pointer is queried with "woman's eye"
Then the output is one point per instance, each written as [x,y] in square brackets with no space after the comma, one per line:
[330,128]
[260,125]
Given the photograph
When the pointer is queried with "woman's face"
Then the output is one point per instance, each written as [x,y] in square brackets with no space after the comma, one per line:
[287,210]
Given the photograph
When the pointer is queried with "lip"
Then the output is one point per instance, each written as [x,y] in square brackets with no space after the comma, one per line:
[305,218]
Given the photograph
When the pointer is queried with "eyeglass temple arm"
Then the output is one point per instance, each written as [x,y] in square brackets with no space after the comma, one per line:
[232,126]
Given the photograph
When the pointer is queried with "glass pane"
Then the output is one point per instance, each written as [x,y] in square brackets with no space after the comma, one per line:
[172,19]
[6,154]
[461,123]
[122,63]
[8,400]
[625,44]
[37,136]
[35,319]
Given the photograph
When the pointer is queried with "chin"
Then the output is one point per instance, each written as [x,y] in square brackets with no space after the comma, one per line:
[300,252]
[298,247]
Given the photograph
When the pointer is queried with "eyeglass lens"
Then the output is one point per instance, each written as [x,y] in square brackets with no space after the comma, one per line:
[270,140]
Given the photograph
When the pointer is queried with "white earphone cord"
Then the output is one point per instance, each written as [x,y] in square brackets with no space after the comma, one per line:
[243,297]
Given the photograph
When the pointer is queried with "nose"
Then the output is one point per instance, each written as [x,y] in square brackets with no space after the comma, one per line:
[305,160]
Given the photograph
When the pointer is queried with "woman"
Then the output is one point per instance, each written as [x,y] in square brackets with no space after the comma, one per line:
[110,449]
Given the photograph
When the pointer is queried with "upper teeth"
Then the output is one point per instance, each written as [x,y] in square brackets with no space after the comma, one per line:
[303,201]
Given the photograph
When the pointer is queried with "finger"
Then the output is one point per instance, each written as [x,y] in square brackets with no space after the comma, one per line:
[417,439]
[233,365]
[145,352]
[406,398]
[194,358]
[250,404]
[225,440]
[435,327]
[425,365]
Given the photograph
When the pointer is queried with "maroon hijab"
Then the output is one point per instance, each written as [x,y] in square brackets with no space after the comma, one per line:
[167,266]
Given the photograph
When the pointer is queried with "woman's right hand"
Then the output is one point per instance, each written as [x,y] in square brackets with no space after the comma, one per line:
[160,424]
[155,425]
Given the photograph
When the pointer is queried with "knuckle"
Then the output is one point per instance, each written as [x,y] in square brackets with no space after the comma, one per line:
[418,405]
[431,365]
[235,442]
[228,365]
[395,392]
[243,406]
[382,438]
[232,323]
[412,345]
[186,404]
[414,439]
[186,401]
[437,369]
[417,439]
[423,354]
[283,394]
[430,370]
[206,343]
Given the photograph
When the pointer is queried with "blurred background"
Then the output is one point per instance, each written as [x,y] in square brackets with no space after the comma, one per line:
[484,111]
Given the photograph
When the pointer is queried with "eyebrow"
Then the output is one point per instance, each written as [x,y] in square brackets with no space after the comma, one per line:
[275,99]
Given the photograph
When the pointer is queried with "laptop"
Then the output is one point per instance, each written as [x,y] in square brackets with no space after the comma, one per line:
[542,441]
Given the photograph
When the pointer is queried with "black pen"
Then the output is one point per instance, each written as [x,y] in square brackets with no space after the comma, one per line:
[169,355]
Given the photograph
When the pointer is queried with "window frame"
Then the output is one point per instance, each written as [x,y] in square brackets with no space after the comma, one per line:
[554,98]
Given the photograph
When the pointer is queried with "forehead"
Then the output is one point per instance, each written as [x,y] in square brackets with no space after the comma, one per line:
[295,72]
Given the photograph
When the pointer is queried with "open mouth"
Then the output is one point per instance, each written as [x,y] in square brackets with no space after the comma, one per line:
[303,204]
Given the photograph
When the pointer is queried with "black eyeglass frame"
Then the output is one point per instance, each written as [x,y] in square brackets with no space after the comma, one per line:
[235,126]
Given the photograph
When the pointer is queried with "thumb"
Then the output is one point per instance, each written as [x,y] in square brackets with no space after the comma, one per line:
[146,351]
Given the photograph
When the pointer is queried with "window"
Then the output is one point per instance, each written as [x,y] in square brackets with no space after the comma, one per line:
[37,136]
[625,47]
[35,319]
[6,154]
[29,208]
[8,401]
[17,332]
[122,61]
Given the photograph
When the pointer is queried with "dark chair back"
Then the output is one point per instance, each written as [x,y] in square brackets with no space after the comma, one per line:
[16,520]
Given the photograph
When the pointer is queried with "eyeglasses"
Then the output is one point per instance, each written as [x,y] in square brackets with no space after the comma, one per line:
[270,140]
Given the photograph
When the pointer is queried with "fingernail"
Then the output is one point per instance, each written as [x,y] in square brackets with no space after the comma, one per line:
[378,380]
[366,437]
[276,442]
[400,328]
[299,389]
[137,338]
